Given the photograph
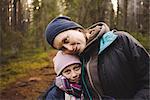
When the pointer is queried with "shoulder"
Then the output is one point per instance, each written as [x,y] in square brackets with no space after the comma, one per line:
[123,34]
[127,38]
[54,93]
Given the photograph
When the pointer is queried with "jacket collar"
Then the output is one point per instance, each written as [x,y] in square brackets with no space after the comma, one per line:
[107,39]
[95,36]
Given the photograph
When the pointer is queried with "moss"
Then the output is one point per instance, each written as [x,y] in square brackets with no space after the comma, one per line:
[143,39]
[19,67]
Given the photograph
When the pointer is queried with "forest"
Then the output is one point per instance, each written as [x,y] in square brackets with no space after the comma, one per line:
[23,23]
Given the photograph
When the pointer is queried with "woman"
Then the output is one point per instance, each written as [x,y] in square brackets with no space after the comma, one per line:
[114,63]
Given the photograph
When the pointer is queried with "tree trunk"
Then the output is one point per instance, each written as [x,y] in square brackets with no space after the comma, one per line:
[14,15]
[4,25]
[146,17]
[125,9]
[118,15]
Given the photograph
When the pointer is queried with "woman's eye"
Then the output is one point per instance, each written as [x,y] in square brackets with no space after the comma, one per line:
[63,49]
[66,40]
[80,30]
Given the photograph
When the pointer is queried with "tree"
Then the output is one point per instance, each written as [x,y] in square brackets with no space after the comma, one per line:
[125,12]
[43,12]
[4,5]
[146,17]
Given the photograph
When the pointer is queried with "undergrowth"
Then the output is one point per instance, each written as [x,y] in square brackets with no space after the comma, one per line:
[20,66]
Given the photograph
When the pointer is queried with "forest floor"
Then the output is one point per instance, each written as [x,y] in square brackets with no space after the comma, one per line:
[31,86]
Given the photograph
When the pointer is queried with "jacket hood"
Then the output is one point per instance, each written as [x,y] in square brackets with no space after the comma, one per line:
[94,36]
[105,26]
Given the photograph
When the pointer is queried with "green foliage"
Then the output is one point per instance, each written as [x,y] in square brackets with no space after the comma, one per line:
[13,38]
[143,39]
[17,68]
[43,12]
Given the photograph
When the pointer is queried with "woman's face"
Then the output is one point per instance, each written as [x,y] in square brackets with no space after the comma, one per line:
[72,72]
[70,41]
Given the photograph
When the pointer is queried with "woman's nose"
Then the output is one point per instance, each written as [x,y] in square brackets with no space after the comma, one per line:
[68,47]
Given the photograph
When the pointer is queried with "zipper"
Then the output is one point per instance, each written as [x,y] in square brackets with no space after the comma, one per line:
[90,79]
[83,80]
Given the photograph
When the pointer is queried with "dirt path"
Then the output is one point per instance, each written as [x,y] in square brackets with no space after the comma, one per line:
[31,86]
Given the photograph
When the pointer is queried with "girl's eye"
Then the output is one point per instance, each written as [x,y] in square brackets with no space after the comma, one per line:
[67,71]
[76,68]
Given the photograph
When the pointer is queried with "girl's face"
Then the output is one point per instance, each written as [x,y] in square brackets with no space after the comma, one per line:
[70,41]
[72,72]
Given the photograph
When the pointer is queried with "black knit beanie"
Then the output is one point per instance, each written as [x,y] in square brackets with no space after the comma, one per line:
[58,25]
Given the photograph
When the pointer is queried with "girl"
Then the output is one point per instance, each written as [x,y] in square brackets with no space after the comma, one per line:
[67,83]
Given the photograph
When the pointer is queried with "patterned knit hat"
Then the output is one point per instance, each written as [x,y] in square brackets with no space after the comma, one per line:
[63,60]
[58,25]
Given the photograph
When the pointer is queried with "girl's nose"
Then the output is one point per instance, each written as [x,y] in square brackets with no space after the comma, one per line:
[74,75]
